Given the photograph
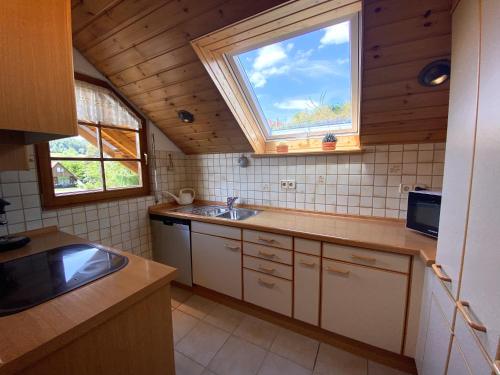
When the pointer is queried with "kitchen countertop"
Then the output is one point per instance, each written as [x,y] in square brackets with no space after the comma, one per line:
[370,233]
[30,335]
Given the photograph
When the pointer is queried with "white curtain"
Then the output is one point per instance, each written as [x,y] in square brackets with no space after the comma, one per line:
[96,104]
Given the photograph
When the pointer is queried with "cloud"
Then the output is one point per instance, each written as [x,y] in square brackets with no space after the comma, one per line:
[297,104]
[268,56]
[259,77]
[336,34]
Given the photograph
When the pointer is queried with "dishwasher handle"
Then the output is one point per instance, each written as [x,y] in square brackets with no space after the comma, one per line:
[170,221]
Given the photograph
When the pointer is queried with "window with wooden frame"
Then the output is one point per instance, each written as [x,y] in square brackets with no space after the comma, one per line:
[291,74]
[106,160]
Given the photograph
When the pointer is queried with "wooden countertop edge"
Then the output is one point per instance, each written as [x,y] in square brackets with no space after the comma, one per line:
[166,210]
[41,351]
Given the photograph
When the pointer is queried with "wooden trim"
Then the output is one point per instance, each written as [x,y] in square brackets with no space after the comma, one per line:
[375,354]
[215,48]
[45,180]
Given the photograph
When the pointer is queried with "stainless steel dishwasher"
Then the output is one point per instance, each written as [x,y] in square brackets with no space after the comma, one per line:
[172,245]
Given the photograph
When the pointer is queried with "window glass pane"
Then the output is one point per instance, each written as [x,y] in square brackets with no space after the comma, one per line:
[121,144]
[122,174]
[76,176]
[302,84]
[99,105]
[84,145]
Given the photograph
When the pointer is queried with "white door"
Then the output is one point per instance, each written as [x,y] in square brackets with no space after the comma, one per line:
[306,288]
[217,263]
[460,140]
[481,270]
[365,304]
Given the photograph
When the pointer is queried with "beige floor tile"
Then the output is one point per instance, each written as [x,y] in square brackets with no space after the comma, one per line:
[225,318]
[182,324]
[237,357]
[295,347]
[179,296]
[333,361]
[378,369]
[197,306]
[276,365]
[186,366]
[257,331]
[202,343]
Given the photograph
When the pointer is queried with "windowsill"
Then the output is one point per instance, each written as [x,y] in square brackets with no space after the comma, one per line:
[309,152]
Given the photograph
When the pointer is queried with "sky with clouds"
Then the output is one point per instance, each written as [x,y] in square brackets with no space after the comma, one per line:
[294,74]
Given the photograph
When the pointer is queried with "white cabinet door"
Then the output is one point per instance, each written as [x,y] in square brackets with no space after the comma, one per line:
[481,276]
[460,140]
[269,292]
[437,341]
[366,304]
[457,364]
[217,263]
[306,288]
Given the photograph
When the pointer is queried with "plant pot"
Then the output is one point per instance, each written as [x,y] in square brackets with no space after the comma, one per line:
[282,148]
[329,146]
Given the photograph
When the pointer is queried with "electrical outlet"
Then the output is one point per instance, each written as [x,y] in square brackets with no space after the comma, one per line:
[291,184]
[405,188]
[284,184]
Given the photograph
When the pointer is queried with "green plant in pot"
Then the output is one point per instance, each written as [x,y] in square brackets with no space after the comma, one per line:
[329,142]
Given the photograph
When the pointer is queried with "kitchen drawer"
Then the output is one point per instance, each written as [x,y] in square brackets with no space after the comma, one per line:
[269,292]
[307,270]
[267,252]
[216,230]
[270,239]
[265,266]
[307,246]
[365,304]
[388,261]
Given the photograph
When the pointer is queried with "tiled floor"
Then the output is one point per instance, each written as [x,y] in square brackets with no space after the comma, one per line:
[212,339]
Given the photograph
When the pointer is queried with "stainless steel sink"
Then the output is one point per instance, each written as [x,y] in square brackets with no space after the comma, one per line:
[238,214]
[219,211]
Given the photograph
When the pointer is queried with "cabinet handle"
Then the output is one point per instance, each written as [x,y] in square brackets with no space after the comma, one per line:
[307,264]
[268,240]
[266,283]
[264,254]
[496,367]
[231,247]
[438,270]
[363,258]
[463,307]
[266,269]
[340,272]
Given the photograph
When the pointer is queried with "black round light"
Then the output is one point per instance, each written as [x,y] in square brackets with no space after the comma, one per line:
[186,116]
[435,73]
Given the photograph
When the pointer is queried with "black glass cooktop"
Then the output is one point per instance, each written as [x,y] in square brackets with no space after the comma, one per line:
[28,281]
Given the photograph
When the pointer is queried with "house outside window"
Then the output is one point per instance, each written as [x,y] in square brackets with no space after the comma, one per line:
[106,160]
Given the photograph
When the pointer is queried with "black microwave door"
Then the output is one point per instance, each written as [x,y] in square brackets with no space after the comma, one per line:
[423,213]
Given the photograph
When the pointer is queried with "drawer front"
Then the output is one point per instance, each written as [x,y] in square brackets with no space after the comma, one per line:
[306,288]
[441,294]
[457,364]
[365,304]
[307,246]
[268,292]
[217,263]
[388,261]
[270,268]
[268,253]
[270,239]
[216,230]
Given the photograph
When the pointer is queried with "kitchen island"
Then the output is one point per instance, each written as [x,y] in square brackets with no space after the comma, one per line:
[119,324]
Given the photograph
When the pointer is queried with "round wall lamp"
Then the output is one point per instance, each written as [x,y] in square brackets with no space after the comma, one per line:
[435,73]
[185,116]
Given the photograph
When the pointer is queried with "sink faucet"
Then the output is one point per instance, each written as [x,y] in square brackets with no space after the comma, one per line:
[230,202]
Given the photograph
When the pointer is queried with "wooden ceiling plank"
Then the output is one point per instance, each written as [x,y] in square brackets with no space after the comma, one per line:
[84,12]
[408,87]
[428,99]
[181,102]
[402,115]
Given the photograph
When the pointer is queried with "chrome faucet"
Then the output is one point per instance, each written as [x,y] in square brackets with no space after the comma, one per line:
[230,202]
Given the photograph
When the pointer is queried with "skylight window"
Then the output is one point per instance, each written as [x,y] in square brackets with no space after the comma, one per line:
[304,85]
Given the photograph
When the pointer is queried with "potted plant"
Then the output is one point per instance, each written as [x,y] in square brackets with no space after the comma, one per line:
[282,147]
[329,142]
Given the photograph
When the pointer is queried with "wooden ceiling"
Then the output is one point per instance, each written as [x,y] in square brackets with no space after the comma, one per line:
[142,46]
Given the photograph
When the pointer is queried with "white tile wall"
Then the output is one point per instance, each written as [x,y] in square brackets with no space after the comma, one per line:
[357,184]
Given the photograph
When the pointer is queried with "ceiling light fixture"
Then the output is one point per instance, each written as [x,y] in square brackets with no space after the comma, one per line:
[435,73]
[186,116]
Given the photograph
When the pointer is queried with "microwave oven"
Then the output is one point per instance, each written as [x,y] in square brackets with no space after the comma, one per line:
[424,207]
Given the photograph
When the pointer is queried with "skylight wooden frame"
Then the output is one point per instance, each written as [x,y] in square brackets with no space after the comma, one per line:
[216,49]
